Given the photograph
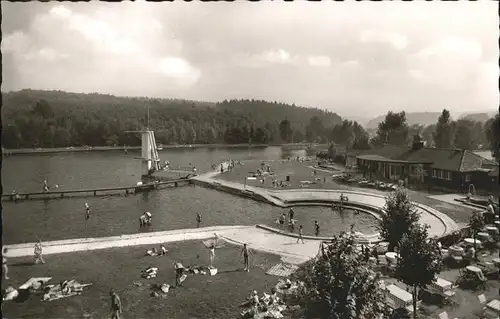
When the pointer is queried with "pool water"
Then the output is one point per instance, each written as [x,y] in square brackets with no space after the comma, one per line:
[330,222]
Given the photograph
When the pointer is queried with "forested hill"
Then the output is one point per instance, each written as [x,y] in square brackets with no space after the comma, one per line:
[33,118]
[421,118]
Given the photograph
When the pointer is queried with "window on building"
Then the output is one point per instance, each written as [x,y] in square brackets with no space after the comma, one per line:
[434,173]
[441,174]
[467,177]
[448,176]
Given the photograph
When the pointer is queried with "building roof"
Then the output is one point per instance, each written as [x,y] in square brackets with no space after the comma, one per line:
[379,158]
[456,160]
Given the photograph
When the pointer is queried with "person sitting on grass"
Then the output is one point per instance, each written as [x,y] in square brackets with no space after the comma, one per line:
[163,251]
[152,252]
[179,271]
[10,293]
[274,299]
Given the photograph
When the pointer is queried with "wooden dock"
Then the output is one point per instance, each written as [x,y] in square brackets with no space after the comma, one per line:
[98,191]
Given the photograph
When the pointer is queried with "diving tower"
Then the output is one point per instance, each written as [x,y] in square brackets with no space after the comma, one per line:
[149,151]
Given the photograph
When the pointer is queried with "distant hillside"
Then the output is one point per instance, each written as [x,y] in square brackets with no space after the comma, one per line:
[276,112]
[362,120]
[478,117]
[422,118]
[33,118]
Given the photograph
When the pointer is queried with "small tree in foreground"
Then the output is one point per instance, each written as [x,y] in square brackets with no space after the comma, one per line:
[419,261]
[337,284]
[476,223]
[400,216]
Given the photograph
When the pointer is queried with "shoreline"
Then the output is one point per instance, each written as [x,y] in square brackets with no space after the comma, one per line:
[22,151]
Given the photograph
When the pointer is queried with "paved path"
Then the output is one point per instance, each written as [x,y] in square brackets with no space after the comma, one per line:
[256,238]
[440,224]
[450,199]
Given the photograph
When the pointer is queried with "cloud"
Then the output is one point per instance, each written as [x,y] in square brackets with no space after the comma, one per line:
[322,61]
[349,57]
[180,69]
[449,62]
[107,43]
[397,40]
[276,56]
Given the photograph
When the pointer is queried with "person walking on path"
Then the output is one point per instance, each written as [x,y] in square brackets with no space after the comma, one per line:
[300,235]
[38,253]
[116,305]
[87,211]
[245,251]
[198,220]
[4,264]
[316,228]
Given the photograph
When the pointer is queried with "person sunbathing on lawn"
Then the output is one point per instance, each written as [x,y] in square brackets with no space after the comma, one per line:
[152,252]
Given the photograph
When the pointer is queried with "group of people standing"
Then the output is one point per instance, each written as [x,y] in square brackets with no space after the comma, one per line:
[281,221]
[38,258]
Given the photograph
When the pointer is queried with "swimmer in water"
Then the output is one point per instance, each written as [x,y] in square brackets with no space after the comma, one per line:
[87,211]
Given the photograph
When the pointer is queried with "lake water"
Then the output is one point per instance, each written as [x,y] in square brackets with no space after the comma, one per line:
[173,208]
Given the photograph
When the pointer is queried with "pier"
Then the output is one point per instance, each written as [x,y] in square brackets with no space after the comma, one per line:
[97,191]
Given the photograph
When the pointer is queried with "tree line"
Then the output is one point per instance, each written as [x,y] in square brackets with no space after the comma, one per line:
[47,119]
[446,133]
[59,119]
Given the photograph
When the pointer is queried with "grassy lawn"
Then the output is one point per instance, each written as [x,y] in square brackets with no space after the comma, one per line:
[201,297]
[301,172]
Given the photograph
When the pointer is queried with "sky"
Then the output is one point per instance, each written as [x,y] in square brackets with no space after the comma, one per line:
[354,58]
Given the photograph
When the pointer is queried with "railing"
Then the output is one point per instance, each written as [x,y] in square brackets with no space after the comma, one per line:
[127,189]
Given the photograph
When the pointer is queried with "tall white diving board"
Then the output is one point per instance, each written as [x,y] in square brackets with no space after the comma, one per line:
[149,151]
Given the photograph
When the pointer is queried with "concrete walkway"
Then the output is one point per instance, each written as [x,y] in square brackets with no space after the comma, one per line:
[256,238]
[440,224]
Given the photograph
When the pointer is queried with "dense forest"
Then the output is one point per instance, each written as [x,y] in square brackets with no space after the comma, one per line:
[59,119]
[446,133]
